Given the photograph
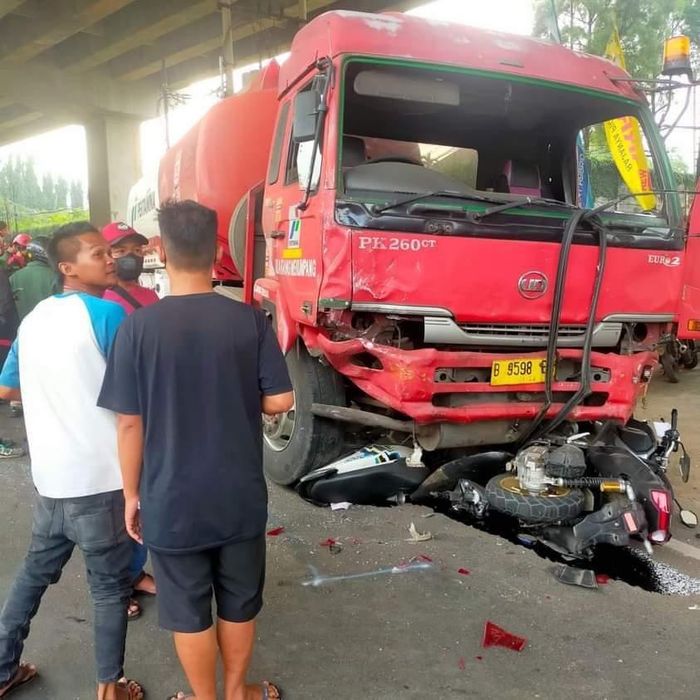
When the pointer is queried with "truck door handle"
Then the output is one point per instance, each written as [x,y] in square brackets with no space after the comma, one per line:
[278,234]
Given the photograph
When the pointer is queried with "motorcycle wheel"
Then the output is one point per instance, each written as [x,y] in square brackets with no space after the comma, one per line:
[503,493]
[670,365]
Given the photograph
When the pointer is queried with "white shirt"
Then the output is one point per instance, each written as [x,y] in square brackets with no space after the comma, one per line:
[58,361]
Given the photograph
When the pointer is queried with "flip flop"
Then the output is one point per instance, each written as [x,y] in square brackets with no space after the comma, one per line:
[133,610]
[266,687]
[25,673]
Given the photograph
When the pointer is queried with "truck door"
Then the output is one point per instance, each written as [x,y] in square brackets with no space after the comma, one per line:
[689,311]
[294,232]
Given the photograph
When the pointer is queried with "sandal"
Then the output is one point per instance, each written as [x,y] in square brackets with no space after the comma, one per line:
[134,690]
[25,673]
[267,687]
[133,610]
[143,576]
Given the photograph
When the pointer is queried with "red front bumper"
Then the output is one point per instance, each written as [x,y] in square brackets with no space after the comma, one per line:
[406,382]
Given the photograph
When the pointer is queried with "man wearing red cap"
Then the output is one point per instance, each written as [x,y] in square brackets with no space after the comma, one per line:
[127,246]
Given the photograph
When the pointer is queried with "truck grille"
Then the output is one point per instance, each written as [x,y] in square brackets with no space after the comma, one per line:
[535,331]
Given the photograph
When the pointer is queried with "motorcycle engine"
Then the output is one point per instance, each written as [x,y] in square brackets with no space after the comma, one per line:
[537,462]
[530,464]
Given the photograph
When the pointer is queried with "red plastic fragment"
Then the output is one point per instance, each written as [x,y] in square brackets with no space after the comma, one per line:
[462,663]
[330,542]
[602,579]
[464,572]
[425,557]
[495,636]
[479,658]
[275,531]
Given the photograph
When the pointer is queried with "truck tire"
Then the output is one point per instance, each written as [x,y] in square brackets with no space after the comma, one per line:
[670,366]
[297,442]
[503,494]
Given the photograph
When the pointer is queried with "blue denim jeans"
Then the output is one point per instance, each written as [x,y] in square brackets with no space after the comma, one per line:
[139,554]
[96,525]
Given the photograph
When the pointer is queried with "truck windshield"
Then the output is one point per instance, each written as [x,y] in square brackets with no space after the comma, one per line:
[417,130]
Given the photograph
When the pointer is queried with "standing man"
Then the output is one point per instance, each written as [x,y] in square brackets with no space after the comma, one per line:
[59,361]
[128,246]
[35,282]
[183,372]
[9,322]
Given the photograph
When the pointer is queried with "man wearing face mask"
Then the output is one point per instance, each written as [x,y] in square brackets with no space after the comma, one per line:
[127,247]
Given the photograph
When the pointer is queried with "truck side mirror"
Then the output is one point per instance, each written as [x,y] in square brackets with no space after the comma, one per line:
[306,105]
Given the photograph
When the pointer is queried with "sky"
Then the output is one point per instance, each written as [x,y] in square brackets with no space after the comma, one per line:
[63,151]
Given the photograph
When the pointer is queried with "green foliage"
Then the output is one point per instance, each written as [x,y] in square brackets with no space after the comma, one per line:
[586,25]
[46,223]
[37,208]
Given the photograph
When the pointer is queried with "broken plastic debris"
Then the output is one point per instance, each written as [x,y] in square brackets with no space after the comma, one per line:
[694,607]
[527,540]
[572,576]
[334,547]
[463,571]
[275,532]
[495,636]
[461,663]
[418,536]
[318,579]
[602,579]
[424,557]
[343,505]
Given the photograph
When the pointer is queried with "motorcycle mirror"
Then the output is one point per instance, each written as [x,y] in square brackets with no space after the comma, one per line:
[684,465]
[689,518]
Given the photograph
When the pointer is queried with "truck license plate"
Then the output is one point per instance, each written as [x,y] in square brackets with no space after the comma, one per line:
[518,371]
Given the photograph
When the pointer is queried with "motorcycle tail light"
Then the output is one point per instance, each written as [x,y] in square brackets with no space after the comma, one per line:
[661,500]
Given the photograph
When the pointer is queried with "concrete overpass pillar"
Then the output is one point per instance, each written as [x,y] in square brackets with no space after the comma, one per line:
[114,165]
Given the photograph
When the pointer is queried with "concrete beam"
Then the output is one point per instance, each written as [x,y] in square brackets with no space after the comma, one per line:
[46,89]
[114,165]
[139,26]
[176,48]
[31,129]
[8,6]
[204,37]
[66,18]
[20,120]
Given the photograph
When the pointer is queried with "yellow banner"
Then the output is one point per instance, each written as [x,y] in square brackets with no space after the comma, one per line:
[625,142]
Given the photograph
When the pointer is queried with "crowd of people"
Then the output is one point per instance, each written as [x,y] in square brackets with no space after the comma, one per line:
[144,428]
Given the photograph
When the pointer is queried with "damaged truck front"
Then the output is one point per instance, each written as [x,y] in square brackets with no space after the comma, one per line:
[453,263]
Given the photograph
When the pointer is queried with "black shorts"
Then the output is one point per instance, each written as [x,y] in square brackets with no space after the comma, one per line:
[235,572]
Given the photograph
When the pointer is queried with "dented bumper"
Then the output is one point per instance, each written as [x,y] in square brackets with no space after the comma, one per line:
[413,382]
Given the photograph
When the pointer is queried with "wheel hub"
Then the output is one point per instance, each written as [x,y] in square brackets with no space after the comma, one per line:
[512,485]
[278,430]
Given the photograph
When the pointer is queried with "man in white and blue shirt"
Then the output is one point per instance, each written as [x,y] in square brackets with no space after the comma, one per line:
[59,361]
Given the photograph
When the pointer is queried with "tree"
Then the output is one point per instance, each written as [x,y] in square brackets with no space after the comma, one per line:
[586,25]
[48,193]
[77,199]
[61,193]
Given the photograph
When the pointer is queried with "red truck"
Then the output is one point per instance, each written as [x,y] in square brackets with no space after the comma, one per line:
[450,262]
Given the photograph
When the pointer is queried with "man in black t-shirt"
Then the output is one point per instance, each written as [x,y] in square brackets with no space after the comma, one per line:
[189,378]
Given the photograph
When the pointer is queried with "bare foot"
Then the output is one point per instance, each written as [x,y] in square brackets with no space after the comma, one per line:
[146,584]
[129,690]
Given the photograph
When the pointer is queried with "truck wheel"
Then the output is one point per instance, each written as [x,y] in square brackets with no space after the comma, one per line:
[670,365]
[297,442]
[503,493]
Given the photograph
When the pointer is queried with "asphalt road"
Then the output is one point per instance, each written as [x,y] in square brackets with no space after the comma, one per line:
[415,634]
